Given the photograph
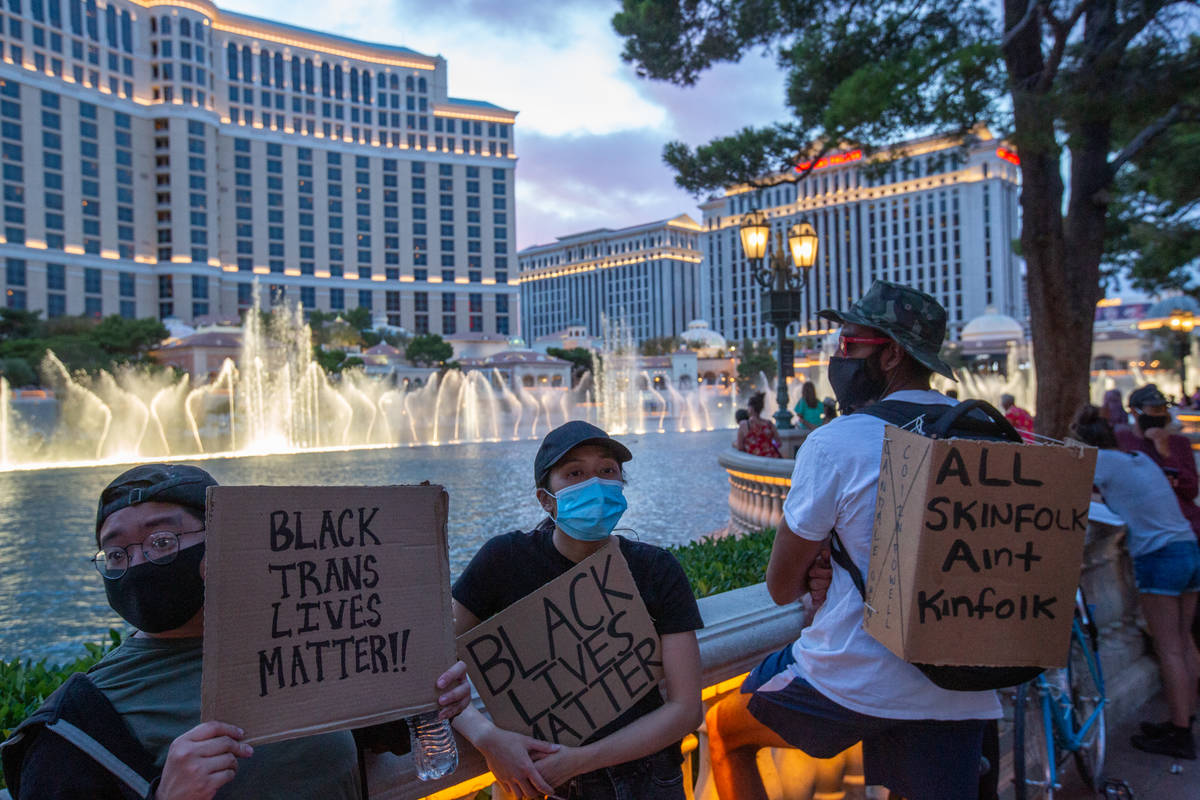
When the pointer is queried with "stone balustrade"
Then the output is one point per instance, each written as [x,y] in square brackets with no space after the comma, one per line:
[743,625]
[757,486]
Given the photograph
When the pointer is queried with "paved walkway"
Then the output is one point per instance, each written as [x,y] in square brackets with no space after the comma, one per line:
[1148,775]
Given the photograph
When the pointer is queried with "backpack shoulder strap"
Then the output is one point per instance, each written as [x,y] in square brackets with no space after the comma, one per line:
[837,552]
[900,412]
[78,713]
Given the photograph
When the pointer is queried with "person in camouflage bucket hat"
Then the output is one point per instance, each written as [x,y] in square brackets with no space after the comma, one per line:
[912,318]
[836,685]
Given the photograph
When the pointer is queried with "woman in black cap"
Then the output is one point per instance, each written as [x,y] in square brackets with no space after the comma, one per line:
[579,480]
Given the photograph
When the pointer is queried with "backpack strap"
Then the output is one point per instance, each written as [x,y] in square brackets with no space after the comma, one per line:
[101,755]
[79,716]
[837,552]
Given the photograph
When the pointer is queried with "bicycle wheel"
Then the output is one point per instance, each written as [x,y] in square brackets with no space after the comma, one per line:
[1087,698]
[1032,749]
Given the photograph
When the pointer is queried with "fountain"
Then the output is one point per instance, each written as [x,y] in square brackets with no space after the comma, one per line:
[276,399]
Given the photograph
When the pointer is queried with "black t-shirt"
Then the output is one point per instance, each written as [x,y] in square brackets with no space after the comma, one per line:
[512,565]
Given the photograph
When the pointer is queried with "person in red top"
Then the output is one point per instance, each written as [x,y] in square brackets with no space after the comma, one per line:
[1021,419]
[1171,451]
[757,436]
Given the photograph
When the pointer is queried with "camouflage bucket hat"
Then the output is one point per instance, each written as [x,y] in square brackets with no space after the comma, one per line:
[914,319]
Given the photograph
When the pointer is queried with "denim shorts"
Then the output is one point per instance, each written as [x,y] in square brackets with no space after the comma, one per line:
[658,776]
[919,759]
[1172,570]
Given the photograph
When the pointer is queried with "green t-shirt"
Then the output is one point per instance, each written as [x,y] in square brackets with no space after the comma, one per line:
[812,415]
[155,685]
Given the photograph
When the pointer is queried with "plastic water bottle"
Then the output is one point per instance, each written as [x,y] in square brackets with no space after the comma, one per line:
[433,748]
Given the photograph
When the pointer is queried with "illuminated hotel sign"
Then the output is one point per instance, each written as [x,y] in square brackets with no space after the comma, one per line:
[1008,155]
[830,161]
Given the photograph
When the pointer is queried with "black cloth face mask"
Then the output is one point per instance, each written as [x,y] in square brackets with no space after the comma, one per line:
[1148,421]
[852,382]
[159,597]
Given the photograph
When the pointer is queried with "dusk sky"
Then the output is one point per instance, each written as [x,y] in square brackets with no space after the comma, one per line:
[590,133]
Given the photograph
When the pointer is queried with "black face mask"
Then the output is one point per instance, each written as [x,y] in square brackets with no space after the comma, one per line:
[854,383]
[159,597]
[1148,421]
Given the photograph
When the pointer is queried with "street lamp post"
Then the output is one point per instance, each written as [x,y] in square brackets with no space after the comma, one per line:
[782,279]
[1181,324]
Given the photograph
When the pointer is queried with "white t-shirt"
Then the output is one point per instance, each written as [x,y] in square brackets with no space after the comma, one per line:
[833,486]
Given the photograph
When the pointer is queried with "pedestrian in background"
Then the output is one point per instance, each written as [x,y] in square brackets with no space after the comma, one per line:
[1114,409]
[758,436]
[1166,565]
[1171,451]
[808,409]
[1020,419]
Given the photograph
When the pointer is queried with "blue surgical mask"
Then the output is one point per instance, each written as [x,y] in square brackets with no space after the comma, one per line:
[588,511]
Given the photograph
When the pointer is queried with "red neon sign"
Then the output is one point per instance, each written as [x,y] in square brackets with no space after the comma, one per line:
[830,161]
[1008,155]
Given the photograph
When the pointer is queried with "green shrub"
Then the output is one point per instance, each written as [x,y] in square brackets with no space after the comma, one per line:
[715,565]
[24,685]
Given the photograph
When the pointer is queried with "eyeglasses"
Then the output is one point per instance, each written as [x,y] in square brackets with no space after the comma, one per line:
[844,341]
[160,547]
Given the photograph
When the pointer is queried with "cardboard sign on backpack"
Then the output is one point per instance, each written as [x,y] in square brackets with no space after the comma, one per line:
[977,550]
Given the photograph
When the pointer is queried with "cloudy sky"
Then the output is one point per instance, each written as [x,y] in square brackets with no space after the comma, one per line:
[590,133]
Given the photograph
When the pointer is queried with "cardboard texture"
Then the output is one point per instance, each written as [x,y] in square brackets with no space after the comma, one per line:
[566,660]
[325,607]
[977,550]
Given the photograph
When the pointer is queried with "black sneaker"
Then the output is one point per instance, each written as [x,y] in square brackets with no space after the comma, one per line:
[1177,744]
[1160,729]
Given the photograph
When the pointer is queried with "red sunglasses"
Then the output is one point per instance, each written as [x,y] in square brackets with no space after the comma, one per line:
[848,340]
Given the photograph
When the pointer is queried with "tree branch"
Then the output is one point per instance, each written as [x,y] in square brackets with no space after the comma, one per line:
[1144,137]
[1062,33]
[1030,8]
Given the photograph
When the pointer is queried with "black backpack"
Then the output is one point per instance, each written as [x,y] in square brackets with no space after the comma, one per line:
[970,419]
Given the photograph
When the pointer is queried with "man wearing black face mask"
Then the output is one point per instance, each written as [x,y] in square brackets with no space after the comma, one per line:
[130,727]
[1171,451]
[836,685]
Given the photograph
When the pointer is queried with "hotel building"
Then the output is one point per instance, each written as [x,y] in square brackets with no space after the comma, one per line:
[939,216]
[647,276]
[160,158]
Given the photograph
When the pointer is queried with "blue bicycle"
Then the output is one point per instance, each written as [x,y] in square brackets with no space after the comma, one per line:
[1060,712]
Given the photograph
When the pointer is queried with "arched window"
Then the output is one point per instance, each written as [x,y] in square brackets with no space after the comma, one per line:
[164,24]
[394,82]
[110,25]
[337,82]
[126,30]
[297,85]
[354,84]
[325,88]
[408,83]
[247,64]
[264,67]
[185,26]
[366,86]
[308,76]
[421,85]
[278,70]
[232,52]
[93,21]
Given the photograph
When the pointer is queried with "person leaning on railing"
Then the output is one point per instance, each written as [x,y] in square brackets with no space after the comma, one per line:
[1166,566]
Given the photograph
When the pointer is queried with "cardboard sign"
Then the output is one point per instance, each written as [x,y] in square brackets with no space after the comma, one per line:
[325,607]
[977,550]
[563,662]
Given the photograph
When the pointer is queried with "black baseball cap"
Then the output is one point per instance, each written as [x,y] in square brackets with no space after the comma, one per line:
[1147,395]
[562,439]
[179,484]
